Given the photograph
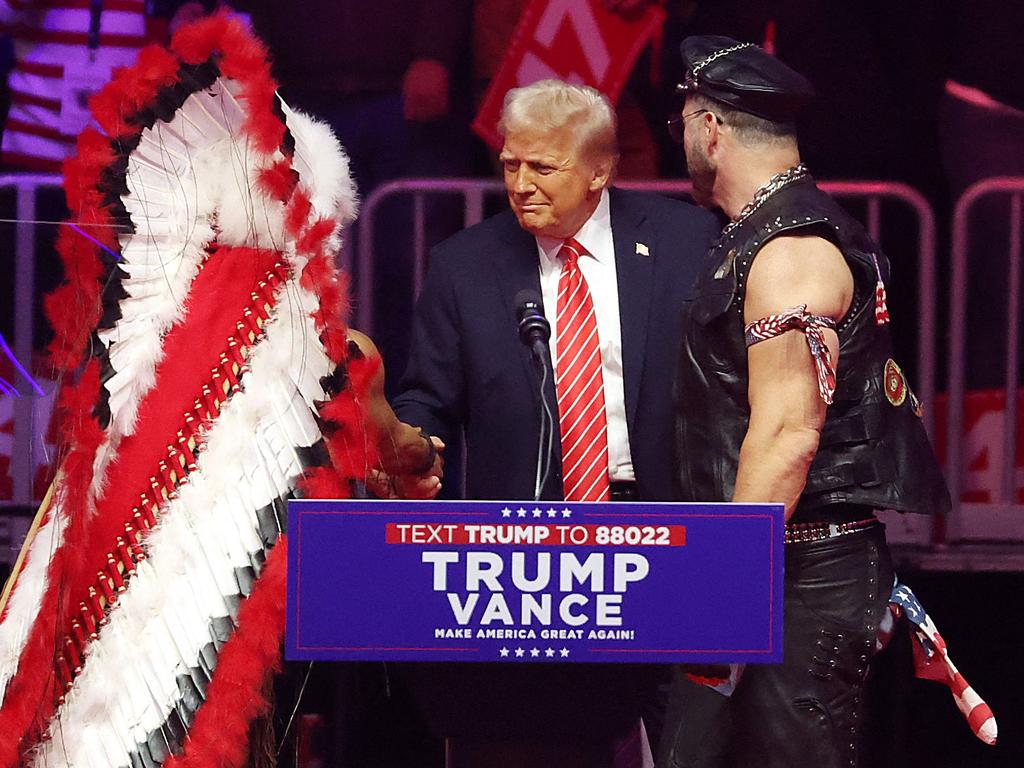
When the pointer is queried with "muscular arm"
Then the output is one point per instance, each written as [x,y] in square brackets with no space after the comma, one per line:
[786,409]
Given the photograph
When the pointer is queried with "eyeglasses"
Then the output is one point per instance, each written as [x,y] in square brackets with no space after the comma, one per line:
[676,125]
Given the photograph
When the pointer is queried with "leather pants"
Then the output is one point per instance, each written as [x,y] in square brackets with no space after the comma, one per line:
[808,710]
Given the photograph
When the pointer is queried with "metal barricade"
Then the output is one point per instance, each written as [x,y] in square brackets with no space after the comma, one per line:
[474,192]
[26,188]
[1003,519]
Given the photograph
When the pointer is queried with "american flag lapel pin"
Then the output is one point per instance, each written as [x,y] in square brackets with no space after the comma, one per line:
[642,249]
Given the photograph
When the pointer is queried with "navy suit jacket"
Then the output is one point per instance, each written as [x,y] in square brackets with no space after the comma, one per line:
[468,370]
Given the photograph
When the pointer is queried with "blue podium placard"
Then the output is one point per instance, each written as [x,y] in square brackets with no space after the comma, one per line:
[526,582]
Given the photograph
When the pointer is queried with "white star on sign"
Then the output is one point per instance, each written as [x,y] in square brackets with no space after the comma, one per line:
[566,513]
[519,653]
[552,513]
[549,652]
[537,513]
[506,512]
[521,512]
[534,653]
[564,652]
[503,652]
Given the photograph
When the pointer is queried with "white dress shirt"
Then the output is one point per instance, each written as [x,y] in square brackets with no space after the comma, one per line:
[598,269]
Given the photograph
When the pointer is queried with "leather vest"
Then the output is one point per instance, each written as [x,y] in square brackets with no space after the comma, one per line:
[873,449]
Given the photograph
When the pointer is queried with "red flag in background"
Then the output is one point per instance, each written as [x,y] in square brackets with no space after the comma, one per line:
[578,41]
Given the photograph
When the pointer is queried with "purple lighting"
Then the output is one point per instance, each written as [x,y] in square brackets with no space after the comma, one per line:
[14,361]
[89,237]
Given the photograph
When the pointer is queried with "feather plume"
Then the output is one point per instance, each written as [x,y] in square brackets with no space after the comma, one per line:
[223,306]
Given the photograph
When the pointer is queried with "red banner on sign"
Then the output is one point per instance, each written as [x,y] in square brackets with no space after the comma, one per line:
[578,41]
[536,534]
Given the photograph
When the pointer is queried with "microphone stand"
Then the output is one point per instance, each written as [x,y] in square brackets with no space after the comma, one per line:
[547,423]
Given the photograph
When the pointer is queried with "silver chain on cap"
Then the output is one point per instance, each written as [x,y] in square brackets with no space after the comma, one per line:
[717,55]
[690,80]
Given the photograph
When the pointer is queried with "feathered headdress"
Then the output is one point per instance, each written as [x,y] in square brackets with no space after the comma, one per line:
[204,316]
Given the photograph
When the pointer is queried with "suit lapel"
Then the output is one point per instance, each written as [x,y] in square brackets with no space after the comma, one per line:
[635,251]
[517,268]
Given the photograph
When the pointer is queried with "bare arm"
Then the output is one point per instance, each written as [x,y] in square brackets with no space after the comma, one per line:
[402,448]
[786,409]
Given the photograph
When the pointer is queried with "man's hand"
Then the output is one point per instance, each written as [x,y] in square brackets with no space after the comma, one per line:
[426,485]
[425,91]
[422,486]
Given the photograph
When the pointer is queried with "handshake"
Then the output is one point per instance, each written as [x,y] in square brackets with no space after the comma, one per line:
[411,463]
[416,477]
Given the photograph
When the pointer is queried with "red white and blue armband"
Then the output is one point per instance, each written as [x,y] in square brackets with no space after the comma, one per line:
[798,318]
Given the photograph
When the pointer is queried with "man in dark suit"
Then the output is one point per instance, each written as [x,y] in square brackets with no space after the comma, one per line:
[613,268]
[468,369]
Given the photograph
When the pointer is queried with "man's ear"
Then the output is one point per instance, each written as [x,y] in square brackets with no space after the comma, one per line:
[709,125]
[602,172]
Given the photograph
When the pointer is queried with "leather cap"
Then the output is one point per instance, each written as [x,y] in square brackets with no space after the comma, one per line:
[744,77]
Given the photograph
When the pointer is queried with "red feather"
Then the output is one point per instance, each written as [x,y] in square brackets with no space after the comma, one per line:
[297,212]
[278,180]
[82,171]
[361,372]
[335,341]
[195,43]
[245,57]
[323,483]
[72,317]
[313,238]
[318,272]
[132,88]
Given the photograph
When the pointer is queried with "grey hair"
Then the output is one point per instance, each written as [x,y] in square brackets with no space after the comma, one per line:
[750,129]
[553,104]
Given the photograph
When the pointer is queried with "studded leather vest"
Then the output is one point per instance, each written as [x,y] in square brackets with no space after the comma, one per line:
[873,449]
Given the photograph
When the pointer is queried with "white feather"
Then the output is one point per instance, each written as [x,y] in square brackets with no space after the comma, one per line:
[27,595]
[323,166]
[177,180]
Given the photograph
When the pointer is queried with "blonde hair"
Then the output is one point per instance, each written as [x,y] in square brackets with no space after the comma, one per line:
[553,104]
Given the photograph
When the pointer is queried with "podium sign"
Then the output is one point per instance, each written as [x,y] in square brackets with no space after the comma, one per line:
[526,582]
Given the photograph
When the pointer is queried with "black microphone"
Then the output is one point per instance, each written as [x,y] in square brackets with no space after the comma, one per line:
[534,332]
[534,328]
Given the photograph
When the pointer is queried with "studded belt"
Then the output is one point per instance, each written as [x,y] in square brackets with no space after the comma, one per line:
[798,533]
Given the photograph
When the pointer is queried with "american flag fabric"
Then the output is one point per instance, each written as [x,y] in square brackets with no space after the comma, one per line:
[51,44]
[798,318]
[881,305]
[932,662]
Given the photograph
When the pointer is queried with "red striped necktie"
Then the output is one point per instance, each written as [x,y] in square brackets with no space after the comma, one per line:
[580,386]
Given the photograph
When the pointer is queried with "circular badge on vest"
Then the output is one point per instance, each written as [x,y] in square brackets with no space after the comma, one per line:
[895,384]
